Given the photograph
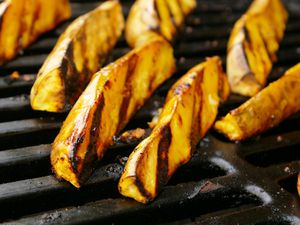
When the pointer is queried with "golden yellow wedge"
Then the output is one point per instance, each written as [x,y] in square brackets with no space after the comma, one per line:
[107,104]
[190,110]
[79,53]
[23,21]
[149,18]
[265,110]
[253,44]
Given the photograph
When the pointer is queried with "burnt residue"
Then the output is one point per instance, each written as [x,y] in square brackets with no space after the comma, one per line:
[162,171]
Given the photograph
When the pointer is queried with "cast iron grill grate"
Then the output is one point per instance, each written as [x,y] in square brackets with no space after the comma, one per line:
[225,183]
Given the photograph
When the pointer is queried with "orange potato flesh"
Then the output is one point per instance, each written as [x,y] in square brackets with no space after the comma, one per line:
[156,17]
[112,97]
[253,44]
[190,110]
[23,21]
[265,110]
[79,53]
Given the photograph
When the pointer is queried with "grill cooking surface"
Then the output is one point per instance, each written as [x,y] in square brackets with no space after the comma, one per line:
[253,182]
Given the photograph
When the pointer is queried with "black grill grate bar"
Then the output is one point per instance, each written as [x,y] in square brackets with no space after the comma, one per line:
[186,194]
[283,171]
[52,188]
[25,155]
[270,143]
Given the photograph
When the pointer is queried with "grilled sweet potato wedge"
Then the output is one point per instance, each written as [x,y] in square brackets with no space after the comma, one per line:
[79,53]
[190,110]
[253,44]
[107,104]
[23,21]
[265,110]
[151,17]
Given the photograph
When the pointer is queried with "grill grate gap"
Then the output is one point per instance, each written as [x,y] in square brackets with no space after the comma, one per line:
[290,184]
[275,156]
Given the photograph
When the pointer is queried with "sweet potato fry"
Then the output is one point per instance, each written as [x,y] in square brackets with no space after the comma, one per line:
[23,21]
[107,104]
[151,17]
[253,44]
[79,53]
[190,110]
[265,110]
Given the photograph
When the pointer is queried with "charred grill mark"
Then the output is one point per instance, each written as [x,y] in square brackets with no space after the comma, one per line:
[221,83]
[127,92]
[156,29]
[180,120]
[142,189]
[246,59]
[86,73]
[178,2]
[162,157]
[246,33]
[72,154]
[152,76]
[69,75]
[151,80]
[201,105]
[22,28]
[90,160]
[248,40]
[265,44]
[196,128]
[172,15]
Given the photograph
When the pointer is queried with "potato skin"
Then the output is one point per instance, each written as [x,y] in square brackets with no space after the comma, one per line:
[23,21]
[190,110]
[112,97]
[265,110]
[79,53]
[149,18]
[253,44]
